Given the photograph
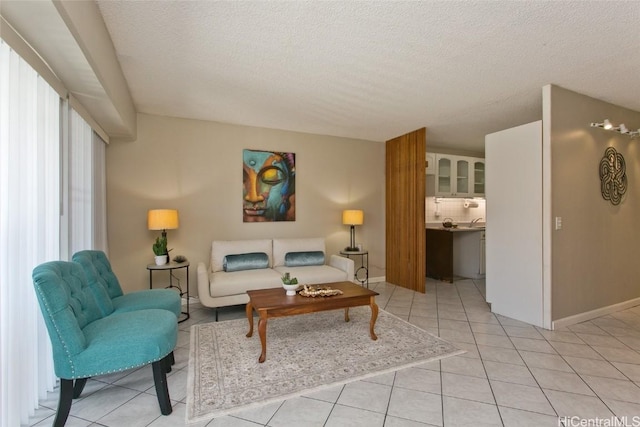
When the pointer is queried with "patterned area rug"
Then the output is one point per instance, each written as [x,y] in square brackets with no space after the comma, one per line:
[305,353]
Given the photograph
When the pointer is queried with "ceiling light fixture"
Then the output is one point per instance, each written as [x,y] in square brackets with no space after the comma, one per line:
[622,129]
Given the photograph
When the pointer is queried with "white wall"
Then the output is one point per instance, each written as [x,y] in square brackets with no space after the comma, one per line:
[514,223]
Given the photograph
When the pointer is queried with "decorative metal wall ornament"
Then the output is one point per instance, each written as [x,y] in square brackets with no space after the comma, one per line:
[613,176]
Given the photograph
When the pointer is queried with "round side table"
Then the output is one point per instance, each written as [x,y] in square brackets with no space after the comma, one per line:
[362,273]
[170,266]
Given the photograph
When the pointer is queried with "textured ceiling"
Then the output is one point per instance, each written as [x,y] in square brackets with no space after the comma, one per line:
[374,70]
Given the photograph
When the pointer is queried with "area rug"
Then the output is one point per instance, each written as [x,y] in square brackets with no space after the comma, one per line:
[305,353]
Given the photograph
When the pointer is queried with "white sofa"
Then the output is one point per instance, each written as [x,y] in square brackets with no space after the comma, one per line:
[220,288]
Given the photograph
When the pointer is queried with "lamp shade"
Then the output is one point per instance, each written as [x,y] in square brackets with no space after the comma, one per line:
[353,217]
[162,219]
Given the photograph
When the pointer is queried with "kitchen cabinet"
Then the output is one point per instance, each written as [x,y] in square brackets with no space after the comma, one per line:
[431,164]
[478,177]
[455,253]
[468,254]
[456,176]
[452,176]
[439,254]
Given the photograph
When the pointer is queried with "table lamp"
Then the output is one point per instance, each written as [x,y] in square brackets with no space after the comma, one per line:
[163,219]
[352,218]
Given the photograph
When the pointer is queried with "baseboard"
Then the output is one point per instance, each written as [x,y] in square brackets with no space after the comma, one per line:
[377,279]
[598,312]
[192,300]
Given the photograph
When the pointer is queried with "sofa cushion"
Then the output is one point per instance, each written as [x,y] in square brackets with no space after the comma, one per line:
[125,340]
[223,283]
[299,259]
[314,274]
[165,299]
[222,248]
[248,261]
[283,246]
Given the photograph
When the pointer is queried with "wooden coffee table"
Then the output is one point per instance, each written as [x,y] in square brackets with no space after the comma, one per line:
[273,302]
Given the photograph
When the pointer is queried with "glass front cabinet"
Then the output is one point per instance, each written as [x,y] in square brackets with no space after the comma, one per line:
[478,177]
[459,176]
[443,181]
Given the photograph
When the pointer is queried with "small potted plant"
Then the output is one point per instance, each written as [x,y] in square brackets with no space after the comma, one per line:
[290,284]
[160,250]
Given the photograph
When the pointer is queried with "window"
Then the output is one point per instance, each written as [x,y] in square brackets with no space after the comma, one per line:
[50,178]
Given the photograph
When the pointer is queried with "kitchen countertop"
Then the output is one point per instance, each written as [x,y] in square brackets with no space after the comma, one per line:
[460,228]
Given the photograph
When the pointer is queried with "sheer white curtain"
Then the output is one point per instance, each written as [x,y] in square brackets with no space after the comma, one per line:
[29,231]
[52,203]
[99,194]
[80,183]
[85,218]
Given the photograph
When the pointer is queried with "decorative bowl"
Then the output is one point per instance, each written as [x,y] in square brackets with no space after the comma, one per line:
[291,289]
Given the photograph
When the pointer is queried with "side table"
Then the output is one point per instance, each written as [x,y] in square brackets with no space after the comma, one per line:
[362,273]
[170,267]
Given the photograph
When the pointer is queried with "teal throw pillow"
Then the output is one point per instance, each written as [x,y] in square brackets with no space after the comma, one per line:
[248,261]
[299,259]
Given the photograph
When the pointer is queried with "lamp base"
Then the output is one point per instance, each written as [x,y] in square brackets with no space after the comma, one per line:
[352,243]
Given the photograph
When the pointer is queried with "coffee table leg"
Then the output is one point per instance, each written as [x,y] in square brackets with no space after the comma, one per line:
[374,317]
[346,314]
[249,311]
[262,331]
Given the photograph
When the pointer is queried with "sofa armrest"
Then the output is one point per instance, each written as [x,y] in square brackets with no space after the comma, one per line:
[342,263]
[203,281]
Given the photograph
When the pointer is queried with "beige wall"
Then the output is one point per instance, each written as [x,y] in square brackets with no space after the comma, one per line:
[595,255]
[195,167]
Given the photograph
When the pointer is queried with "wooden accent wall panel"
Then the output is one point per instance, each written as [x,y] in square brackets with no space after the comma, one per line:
[405,194]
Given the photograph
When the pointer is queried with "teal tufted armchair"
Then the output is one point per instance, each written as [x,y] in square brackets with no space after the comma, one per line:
[87,343]
[105,285]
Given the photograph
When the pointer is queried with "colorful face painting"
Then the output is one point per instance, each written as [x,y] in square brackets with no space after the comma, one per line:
[269,186]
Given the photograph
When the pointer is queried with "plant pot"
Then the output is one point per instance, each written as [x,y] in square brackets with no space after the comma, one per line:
[161,259]
[291,289]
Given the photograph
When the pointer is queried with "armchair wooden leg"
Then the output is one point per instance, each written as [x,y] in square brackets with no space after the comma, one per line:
[170,360]
[160,379]
[64,404]
[78,387]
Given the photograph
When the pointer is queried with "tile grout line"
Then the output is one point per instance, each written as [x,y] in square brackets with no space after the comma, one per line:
[480,357]
[440,361]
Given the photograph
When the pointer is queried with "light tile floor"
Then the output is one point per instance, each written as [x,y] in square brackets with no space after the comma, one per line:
[513,374]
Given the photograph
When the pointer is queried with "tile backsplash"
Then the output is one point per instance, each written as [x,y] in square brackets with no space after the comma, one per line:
[439,208]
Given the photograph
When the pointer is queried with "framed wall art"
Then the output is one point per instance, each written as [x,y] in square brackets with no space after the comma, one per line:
[269,186]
